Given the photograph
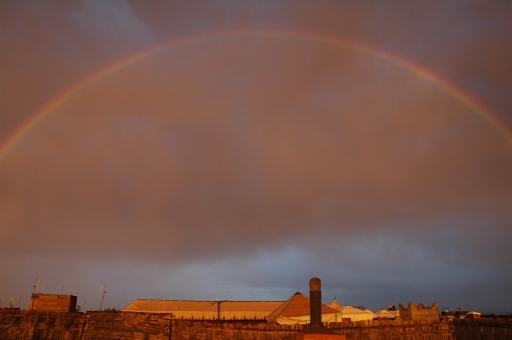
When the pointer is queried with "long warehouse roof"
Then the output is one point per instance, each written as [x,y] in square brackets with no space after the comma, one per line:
[169,306]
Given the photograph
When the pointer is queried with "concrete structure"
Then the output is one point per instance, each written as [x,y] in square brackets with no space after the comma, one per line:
[206,310]
[419,313]
[52,302]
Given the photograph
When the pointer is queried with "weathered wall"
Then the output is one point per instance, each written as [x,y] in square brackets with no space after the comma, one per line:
[34,325]
[37,325]
[483,329]
[419,313]
[21,325]
[361,330]
[398,330]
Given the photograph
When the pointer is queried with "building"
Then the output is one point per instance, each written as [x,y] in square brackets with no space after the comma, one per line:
[349,313]
[206,310]
[52,302]
[387,314]
[296,310]
[473,315]
[419,313]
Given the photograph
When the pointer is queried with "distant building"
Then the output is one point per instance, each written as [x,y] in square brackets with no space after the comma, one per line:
[206,310]
[419,313]
[473,315]
[349,313]
[387,314]
[296,310]
[53,302]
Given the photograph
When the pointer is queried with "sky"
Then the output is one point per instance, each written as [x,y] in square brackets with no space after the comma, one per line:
[232,150]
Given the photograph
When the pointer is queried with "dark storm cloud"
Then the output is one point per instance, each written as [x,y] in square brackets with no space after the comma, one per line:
[240,168]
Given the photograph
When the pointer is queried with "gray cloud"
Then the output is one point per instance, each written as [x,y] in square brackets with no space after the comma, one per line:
[239,168]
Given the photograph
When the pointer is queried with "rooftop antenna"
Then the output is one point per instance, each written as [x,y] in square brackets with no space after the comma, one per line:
[36,285]
[102,296]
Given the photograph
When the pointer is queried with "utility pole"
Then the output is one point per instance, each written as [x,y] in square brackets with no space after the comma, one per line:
[218,307]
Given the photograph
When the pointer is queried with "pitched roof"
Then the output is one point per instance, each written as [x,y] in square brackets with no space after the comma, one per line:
[297,305]
[354,310]
[173,306]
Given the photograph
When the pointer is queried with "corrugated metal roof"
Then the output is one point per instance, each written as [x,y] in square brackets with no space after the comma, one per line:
[174,306]
[297,305]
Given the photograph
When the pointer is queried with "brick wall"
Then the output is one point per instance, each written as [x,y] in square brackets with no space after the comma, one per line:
[483,329]
[37,325]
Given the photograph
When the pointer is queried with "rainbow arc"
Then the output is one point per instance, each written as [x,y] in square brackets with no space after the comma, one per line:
[416,69]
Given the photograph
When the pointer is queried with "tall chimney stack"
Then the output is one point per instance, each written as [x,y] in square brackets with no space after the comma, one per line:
[315,301]
[315,330]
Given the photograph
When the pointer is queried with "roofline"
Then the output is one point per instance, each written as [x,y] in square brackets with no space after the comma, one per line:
[211,300]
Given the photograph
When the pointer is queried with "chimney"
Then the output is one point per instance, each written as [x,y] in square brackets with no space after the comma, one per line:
[315,330]
[315,301]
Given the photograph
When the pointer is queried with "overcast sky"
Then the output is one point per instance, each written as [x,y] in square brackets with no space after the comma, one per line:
[367,143]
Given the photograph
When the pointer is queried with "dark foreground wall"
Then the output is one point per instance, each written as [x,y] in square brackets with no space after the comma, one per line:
[32,325]
[363,330]
[483,329]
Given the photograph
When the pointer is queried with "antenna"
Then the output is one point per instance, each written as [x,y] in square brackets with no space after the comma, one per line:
[102,296]
[36,285]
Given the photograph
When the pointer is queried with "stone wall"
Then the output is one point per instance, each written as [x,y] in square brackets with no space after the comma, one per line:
[397,330]
[360,330]
[483,329]
[37,325]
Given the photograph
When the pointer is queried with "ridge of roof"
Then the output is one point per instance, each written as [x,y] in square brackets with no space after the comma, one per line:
[166,300]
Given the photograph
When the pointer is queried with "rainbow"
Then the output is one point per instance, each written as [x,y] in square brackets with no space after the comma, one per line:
[416,69]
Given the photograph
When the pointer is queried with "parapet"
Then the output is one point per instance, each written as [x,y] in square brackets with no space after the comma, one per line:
[419,313]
